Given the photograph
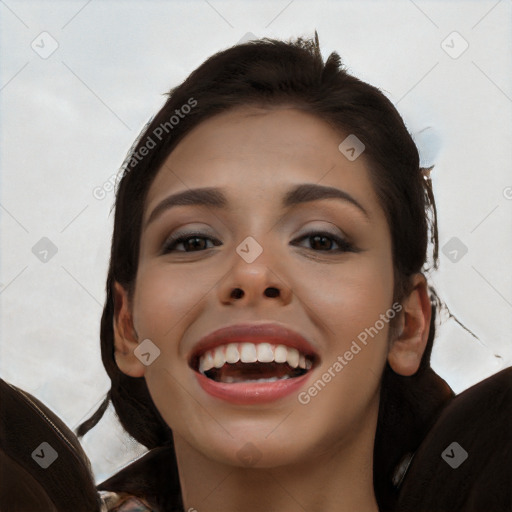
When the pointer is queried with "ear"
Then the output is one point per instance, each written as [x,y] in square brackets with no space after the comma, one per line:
[406,350]
[125,336]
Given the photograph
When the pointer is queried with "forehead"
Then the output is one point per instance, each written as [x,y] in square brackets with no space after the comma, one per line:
[261,152]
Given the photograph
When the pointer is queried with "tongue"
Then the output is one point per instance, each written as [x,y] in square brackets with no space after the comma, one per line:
[240,372]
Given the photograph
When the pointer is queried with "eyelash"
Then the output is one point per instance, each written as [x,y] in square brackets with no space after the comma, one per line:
[344,245]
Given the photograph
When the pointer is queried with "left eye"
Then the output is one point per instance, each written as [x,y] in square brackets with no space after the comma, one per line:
[322,241]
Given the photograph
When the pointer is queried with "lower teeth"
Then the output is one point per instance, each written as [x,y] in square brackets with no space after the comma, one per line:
[252,373]
[231,380]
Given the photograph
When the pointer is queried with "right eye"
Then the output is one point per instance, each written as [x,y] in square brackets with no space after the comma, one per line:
[191,242]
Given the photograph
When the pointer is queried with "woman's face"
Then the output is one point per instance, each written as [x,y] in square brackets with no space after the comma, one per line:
[328,291]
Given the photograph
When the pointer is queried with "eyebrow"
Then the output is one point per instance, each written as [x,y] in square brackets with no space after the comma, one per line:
[215,198]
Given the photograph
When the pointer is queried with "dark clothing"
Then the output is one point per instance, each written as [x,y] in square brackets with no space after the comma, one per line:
[438,479]
[462,464]
[477,424]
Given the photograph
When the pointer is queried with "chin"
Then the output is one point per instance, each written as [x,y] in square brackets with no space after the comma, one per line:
[254,451]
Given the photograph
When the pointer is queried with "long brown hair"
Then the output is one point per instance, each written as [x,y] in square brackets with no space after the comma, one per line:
[271,72]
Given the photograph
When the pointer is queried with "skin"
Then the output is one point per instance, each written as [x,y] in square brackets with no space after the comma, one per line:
[314,457]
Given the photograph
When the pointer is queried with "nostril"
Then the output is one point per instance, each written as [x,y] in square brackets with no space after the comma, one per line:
[271,292]
[237,293]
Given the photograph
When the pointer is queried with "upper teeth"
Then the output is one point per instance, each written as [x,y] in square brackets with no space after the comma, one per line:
[250,353]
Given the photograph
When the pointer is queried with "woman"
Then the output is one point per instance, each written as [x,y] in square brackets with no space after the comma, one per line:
[267,327]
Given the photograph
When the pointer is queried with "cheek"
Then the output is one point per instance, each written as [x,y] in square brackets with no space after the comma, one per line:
[348,307]
[350,297]
[163,299]
[348,303]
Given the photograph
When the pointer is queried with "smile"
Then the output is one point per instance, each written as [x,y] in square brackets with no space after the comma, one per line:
[247,364]
[251,362]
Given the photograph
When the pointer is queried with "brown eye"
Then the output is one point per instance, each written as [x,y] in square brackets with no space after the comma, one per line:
[326,242]
[191,242]
[320,242]
[195,243]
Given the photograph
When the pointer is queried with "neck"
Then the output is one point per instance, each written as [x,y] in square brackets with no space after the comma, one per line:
[338,480]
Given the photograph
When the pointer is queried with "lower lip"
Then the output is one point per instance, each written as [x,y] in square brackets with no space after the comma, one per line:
[246,393]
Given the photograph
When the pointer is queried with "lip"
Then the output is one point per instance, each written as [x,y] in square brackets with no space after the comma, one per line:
[253,333]
[243,393]
[252,392]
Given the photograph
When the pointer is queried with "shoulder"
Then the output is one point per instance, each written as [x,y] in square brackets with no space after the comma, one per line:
[464,462]
[153,479]
[123,502]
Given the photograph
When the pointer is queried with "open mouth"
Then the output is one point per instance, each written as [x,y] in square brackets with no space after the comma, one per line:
[233,363]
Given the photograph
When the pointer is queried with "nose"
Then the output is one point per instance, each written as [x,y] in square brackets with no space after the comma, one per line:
[249,284]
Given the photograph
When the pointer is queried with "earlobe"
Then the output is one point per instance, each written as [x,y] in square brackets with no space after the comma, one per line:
[125,336]
[407,349]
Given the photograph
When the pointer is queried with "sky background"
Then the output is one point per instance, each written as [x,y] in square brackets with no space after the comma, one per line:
[78,81]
